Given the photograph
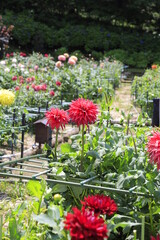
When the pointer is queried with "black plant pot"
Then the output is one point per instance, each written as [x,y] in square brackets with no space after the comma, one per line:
[156,112]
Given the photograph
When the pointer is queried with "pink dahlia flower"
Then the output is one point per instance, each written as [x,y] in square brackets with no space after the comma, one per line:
[58,64]
[62,58]
[71,61]
[153,146]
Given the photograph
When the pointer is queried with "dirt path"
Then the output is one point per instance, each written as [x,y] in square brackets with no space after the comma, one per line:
[124,102]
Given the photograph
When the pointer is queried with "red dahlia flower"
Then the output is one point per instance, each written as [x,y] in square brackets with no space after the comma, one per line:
[83,111]
[22,54]
[100,204]
[58,83]
[46,55]
[20,78]
[157,238]
[21,81]
[28,80]
[14,78]
[154,148]
[52,93]
[37,88]
[17,88]
[84,225]
[44,87]
[7,55]
[33,85]
[57,118]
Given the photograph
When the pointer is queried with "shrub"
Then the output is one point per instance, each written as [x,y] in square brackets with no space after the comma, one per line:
[137,49]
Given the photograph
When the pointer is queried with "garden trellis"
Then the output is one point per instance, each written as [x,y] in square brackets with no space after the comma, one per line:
[40,167]
[41,159]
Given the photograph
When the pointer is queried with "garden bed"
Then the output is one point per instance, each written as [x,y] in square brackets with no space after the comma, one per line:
[108,173]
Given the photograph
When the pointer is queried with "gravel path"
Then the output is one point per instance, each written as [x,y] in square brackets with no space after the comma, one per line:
[123,101]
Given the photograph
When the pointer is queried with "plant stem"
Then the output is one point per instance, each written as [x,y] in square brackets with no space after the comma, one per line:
[143,229]
[82,152]
[39,207]
[74,197]
[133,142]
[56,143]
[150,216]
[135,234]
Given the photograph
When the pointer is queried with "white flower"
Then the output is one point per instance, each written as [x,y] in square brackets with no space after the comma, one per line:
[14,65]
[26,72]
[2,62]
[7,69]
[20,65]
[14,60]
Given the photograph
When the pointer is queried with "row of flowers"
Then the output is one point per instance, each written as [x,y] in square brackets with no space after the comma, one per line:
[84,78]
[146,88]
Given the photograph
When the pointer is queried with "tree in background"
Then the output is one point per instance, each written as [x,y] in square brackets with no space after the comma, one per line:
[5,34]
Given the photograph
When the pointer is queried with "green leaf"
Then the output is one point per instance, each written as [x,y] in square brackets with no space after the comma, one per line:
[93,154]
[50,219]
[156,210]
[77,191]
[45,219]
[126,224]
[59,170]
[66,148]
[14,234]
[25,111]
[150,186]
[58,188]
[34,188]
[53,212]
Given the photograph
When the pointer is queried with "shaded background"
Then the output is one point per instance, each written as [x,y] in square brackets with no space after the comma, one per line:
[125,29]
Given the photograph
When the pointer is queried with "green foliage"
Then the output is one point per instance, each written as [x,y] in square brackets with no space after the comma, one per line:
[14,235]
[34,188]
[146,87]
[131,46]
[136,59]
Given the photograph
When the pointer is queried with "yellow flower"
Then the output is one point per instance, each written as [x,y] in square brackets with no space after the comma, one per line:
[6,97]
[100,90]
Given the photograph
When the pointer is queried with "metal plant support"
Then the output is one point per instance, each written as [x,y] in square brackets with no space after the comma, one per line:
[39,161]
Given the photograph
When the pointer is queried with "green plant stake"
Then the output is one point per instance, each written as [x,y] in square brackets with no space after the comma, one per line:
[56,143]
[82,152]
[1,224]
[143,228]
